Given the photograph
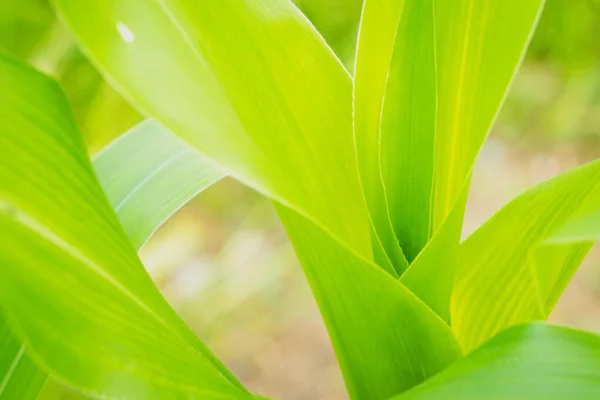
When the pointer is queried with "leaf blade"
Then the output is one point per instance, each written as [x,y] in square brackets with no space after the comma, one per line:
[65,236]
[499,283]
[534,361]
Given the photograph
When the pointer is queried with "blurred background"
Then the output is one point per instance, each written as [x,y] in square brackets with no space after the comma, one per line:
[224,261]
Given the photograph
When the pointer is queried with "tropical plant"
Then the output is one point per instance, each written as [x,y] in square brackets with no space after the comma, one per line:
[369,175]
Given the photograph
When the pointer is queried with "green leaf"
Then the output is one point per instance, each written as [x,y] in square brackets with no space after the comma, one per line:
[73,289]
[283,131]
[507,275]
[478,47]
[148,174]
[386,339]
[326,260]
[535,361]
[431,275]
[19,377]
[583,227]
[430,78]
[395,105]
[260,93]
[376,38]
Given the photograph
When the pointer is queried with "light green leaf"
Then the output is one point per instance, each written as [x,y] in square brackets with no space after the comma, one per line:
[554,267]
[376,39]
[285,131]
[260,93]
[478,47]
[583,227]
[73,289]
[395,105]
[148,174]
[390,309]
[534,362]
[402,342]
[505,277]
[430,78]
[431,275]
[19,377]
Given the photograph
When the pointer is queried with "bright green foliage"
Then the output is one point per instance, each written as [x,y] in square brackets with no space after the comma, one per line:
[19,377]
[425,97]
[148,174]
[369,86]
[325,260]
[211,97]
[501,281]
[584,226]
[370,178]
[535,361]
[286,132]
[67,263]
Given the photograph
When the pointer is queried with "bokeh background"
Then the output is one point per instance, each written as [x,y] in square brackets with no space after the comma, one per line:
[224,261]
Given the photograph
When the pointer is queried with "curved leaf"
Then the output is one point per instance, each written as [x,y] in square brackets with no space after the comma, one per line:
[148,174]
[376,39]
[583,227]
[73,289]
[430,78]
[261,94]
[388,320]
[535,361]
[19,377]
[284,131]
[505,277]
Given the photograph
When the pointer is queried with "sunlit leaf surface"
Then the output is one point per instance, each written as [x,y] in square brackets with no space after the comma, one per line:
[73,288]
[262,95]
[535,361]
[505,276]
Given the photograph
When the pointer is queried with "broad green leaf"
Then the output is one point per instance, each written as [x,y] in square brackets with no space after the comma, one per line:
[507,275]
[390,309]
[431,275]
[19,377]
[148,174]
[430,78]
[418,343]
[478,47]
[554,266]
[395,105]
[259,93]
[534,361]
[583,227]
[73,289]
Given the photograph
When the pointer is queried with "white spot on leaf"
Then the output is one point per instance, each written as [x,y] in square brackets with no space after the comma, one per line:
[125,32]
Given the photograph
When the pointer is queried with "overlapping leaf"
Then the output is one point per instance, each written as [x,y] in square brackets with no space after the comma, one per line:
[73,288]
[262,95]
[430,78]
[535,361]
[372,61]
[220,84]
[506,275]
[328,260]
[146,178]
[148,174]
